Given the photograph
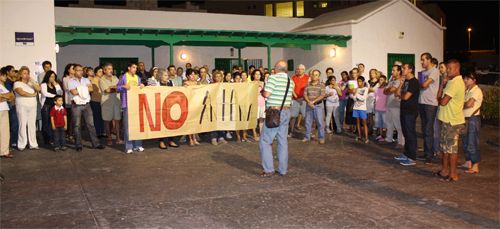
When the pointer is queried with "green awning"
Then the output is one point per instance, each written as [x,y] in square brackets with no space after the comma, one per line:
[192,37]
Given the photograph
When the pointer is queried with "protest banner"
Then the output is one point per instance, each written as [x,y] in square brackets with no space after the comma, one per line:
[156,112]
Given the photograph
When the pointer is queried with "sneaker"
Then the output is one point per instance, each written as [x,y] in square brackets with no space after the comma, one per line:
[328,131]
[222,141]
[56,149]
[129,151]
[140,149]
[63,148]
[214,141]
[183,139]
[407,162]
[305,140]
[401,157]
[289,135]
[379,138]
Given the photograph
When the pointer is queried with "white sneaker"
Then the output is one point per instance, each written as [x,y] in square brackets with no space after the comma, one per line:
[129,151]
[140,149]
[229,136]
[214,141]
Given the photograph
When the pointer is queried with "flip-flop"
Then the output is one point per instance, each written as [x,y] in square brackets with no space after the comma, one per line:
[264,174]
[438,174]
[470,171]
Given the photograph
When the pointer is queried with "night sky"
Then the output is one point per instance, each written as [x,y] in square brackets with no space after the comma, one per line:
[481,16]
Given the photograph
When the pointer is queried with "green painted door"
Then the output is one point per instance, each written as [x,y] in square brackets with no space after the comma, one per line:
[401,57]
[119,63]
[225,64]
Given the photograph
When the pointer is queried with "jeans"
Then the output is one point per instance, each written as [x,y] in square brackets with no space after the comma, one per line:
[77,112]
[428,116]
[266,147]
[335,111]
[342,106]
[14,125]
[59,137]
[470,139]
[97,113]
[317,113]
[437,131]
[408,125]
[47,132]
[129,144]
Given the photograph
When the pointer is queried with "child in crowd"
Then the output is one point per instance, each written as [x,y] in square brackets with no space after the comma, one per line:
[192,76]
[370,102]
[359,109]
[59,123]
[333,92]
[380,108]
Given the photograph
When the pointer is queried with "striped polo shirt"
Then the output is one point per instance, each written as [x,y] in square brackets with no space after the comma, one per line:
[276,85]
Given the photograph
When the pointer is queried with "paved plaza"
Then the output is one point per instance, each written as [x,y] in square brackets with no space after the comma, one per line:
[339,184]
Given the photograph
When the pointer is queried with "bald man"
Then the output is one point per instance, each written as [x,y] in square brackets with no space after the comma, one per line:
[278,91]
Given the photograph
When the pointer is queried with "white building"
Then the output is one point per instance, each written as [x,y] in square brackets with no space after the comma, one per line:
[380,31]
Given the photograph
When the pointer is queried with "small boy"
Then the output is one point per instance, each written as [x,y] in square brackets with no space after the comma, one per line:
[380,108]
[359,110]
[59,123]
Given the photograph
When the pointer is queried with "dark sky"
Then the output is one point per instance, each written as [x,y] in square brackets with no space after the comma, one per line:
[481,16]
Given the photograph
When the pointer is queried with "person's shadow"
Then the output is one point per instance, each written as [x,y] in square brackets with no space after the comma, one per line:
[237,161]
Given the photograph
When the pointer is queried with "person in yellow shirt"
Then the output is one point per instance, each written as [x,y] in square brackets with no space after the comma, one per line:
[470,139]
[450,114]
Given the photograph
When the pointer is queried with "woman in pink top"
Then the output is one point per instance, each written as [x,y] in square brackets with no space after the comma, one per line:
[380,108]
[261,102]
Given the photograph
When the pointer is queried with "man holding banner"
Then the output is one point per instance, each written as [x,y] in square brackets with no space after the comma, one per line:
[278,92]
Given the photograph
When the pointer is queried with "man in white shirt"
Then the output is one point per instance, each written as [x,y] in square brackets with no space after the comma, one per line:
[79,96]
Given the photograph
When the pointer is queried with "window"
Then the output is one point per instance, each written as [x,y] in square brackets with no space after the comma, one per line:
[65,3]
[300,9]
[269,9]
[284,9]
[111,2]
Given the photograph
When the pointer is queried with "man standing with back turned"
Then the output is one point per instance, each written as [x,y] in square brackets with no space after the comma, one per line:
[279,96]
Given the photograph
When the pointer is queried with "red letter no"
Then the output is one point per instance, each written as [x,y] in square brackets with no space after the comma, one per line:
[173,98]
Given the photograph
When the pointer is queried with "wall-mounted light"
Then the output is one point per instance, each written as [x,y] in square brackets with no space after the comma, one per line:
[184,56]
[333,52]
[56,48]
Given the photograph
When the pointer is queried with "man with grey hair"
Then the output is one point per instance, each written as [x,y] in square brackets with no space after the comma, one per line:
[278,91]
[300,80]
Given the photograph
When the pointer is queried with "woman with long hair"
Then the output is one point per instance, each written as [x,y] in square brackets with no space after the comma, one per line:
[26,92]
[49,89]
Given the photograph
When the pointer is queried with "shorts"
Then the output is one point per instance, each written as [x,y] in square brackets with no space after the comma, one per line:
[298,107]
[261,112]
[448,141]
[111,111]
[359,114]
[380,119]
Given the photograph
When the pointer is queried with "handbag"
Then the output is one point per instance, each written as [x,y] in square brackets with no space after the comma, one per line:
[273,114]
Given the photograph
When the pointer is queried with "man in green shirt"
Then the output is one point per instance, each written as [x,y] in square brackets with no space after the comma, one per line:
[278,97]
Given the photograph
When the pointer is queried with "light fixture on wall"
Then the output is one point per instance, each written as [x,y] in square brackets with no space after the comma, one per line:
[56,48]
[184,56]
[333,52]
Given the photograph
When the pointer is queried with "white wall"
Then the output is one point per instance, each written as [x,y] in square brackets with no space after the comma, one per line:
[319,56]
[167,19]
[378,35]
[88,55]
[27,16]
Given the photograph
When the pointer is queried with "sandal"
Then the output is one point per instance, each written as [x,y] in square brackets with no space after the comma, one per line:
[471,171]
[449,179]
[7,156]
[438,174]
[264,174]
[367,141]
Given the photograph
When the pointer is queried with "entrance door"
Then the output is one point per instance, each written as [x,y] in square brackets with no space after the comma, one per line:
[403,58]
[119,63]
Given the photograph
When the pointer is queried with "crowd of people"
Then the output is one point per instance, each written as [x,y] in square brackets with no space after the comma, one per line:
[385,107]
